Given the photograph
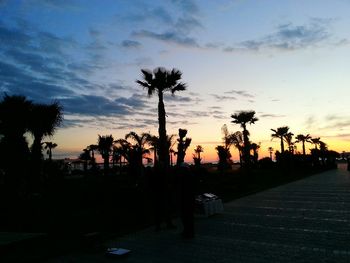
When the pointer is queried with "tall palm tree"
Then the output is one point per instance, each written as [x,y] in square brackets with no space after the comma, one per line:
[243,118]
[280,133]
[14,154]
[49,146]
[303,138]
[43,122]
[160,81]
[105,144]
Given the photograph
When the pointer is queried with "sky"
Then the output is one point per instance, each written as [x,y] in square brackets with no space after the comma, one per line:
[286,60]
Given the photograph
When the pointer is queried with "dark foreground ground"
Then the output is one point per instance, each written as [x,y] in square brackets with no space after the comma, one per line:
[303,221]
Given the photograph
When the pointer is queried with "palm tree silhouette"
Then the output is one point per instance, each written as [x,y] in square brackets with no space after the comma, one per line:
[289,140]
[160,81]
[280,133]
[224,157]
[316,141]
[85,157]
[49,146]
[43,122]
[243,118]
[138,150]
[197,151]
[255,147]
[270,149]
[105,144]
[92,148]
[303,138]
[237,140]
[14,154]
[183,144]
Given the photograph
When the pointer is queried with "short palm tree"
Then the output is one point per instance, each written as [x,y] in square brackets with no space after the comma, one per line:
[303,138]
[316,141]
[139,148]
[270,149]
[280,133]
[183,144]
[43,122]
[243,118]
[255,148]
[237,141]
[85,157]
[289,140]
[160,81]
[105,144]
[49,146]
[92,148]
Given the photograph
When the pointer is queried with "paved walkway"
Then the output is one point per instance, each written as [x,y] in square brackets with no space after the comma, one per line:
[304,221]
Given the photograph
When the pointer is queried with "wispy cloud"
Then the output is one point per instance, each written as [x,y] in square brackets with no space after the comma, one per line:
[241,93]
[271,115]
[221,98]
[130,44]
[170,37]
[289,37]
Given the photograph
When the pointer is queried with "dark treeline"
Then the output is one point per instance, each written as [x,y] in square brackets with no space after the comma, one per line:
[39,194]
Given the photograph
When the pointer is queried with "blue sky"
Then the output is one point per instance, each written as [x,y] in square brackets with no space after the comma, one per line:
[287,60]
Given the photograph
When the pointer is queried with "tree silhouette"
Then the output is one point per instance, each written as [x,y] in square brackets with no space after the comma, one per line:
[85,157]
[14,154]
[289,140]
[303,138]
[315,141]
[224,157]
[237,140]
[140,145]
[105,144]
[160,81]
[280,133]
[182,146]
[270,149]
[43,122]
[49,146]
[197,155]
[255,147]
[92,148]
[243,118]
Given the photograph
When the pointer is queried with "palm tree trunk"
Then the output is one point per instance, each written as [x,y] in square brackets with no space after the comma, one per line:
[50,154]
[163,151]
[282,145]
[246,148]
[303,148]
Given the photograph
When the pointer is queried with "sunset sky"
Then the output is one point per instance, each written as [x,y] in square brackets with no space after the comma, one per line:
[287,60]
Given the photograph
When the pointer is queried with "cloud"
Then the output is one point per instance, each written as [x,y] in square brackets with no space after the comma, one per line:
[221,98]
[288,37]
[130,44]
[188,6]
[177,98]
[169,37]
[241,93]
[271,115]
